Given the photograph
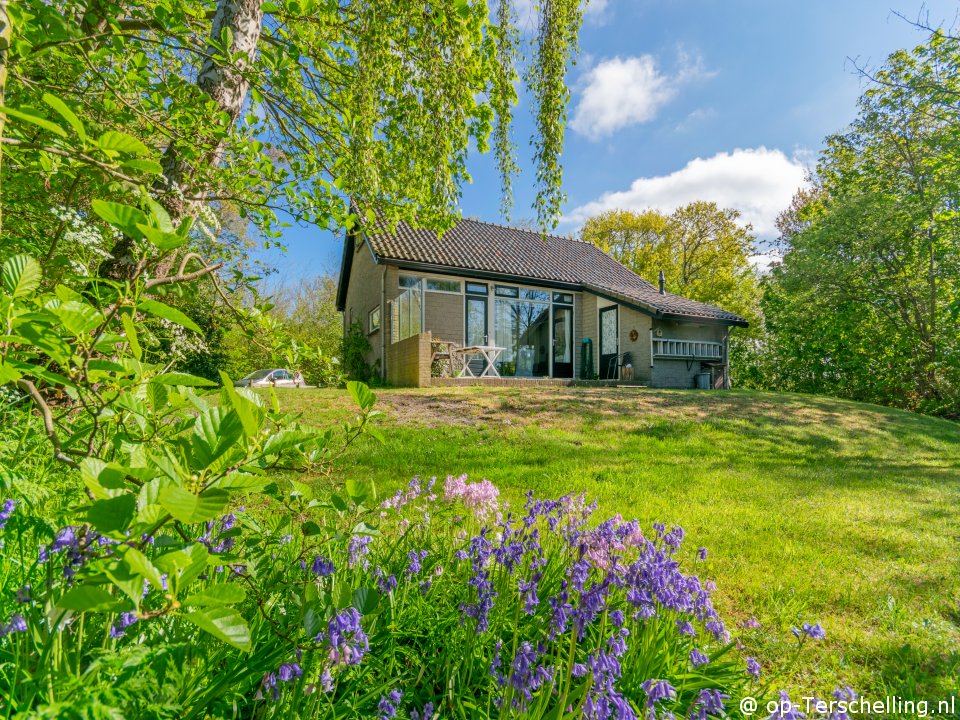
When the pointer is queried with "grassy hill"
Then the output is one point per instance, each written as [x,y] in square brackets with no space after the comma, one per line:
[812,509]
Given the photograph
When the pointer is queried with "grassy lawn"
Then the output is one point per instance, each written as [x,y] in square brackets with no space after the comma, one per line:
[812,509]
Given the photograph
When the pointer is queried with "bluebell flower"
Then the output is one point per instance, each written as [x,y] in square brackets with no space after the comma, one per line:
[753,668]
[709,703]
[426,715]
[6,511]
[288,672]
[348,641]
[657,691]
[698,658]
[17,624]
[387,709]
[807,630]
[702,554]
[322,566]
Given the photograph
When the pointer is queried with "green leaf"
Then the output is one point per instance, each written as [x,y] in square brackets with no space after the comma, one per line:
[250,414]
[217,594]
[151,167]
[21,275]
[224,624]
[130,330]
[161,239]
[114,141]
[216,434]
[78,318]
[365,600]
[67,114]
[189,508]
[141,565]
[112,514]
[361,394]
[158,309]
[358,490]
[104,480]
[182,380]
[34,120]
[123,217]
[88,598]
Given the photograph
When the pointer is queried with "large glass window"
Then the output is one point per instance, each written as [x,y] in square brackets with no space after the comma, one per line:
[522,327]
[443,285]
[407,314]
[409,281]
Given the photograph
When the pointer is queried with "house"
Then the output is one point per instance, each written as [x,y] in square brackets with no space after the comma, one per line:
[552,309]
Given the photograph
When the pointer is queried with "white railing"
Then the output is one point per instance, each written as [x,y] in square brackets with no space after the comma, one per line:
[667,347]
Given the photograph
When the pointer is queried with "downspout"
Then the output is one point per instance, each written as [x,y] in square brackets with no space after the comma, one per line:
[383,328]
[726,358]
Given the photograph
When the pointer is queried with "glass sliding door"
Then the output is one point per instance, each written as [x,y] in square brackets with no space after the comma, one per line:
[476,315]
[522,328]
[562,340]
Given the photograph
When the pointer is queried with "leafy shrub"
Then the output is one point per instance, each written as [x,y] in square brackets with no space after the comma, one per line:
[356,345]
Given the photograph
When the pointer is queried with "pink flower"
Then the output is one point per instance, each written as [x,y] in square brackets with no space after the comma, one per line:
[481,497]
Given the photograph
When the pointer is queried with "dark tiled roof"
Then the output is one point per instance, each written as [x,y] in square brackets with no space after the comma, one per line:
[491,248]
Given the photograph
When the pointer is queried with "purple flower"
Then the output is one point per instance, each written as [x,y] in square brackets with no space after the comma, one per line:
[753,668]
[227,522]
[126,620]
[526,675]
[658,690]
[322,566]
[415,559]
[269,682]
[685,628]
[386,584]
[387,709]
[698,658]
[359,549]
[348,641]
[807,630]
[23,594]
[326,681]
[616,617]
[709,703]
[8,507]
[289,672]
[702,554]
[427,713]
[17,624]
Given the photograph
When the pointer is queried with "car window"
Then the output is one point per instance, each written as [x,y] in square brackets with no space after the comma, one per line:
[257,375]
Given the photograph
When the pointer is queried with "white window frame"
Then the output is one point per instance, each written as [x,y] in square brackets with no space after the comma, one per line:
[370,326]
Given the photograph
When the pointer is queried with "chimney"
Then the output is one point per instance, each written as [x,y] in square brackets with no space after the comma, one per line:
[662,284]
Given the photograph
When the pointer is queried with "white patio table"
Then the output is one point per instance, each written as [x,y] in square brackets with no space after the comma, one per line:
[489,353]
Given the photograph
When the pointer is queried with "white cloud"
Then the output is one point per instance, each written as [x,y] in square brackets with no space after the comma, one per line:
[758,182]
[626,91]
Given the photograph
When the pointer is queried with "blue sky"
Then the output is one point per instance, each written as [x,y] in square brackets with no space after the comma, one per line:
[676,100]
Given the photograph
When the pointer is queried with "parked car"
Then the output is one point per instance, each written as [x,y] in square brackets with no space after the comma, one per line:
[276,377]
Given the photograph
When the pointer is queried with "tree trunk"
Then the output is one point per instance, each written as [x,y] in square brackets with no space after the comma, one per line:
[228,87]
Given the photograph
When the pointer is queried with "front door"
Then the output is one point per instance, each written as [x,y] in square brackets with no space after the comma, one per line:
[562,341]
[476,320]
[609,343]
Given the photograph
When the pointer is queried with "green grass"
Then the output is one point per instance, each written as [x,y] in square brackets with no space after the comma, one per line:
[812,509]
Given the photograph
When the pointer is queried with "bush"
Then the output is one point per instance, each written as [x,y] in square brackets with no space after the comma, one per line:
[355,349]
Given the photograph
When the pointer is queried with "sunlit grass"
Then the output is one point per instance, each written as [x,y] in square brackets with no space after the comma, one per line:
[812,509]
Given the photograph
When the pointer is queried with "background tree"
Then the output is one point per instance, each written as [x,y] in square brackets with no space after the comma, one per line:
[861,305]
[702,249]
[704,253]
